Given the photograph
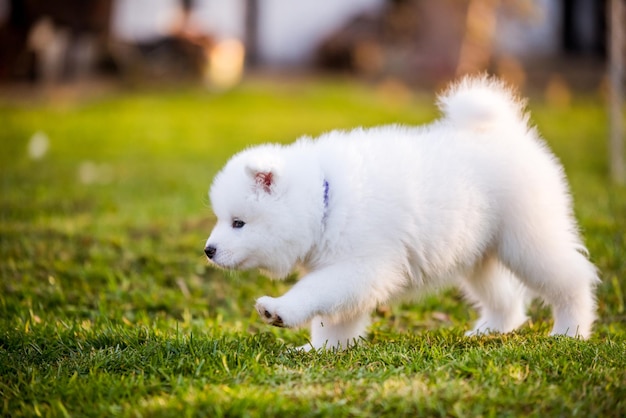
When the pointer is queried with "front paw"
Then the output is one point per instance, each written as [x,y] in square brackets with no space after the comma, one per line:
[267,309]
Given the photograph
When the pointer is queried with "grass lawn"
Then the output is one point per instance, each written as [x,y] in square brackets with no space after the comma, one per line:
[108,307]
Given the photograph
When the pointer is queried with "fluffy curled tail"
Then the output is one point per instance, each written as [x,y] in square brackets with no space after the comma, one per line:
[481,103]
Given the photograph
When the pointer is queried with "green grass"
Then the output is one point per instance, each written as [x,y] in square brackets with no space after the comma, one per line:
[108,307]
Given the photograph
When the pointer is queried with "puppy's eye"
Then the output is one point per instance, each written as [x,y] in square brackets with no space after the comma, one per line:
[238,223]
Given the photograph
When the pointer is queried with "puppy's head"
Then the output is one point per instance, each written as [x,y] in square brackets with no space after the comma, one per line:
[258,221]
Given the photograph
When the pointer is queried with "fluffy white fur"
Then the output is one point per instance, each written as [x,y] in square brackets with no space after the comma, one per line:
[372,215]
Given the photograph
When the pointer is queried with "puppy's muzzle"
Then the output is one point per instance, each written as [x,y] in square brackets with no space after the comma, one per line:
[210,251]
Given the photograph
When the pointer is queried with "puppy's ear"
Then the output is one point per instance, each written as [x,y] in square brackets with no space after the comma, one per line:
[263,179]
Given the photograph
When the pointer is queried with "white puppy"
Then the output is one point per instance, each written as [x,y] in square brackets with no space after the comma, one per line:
[373,215]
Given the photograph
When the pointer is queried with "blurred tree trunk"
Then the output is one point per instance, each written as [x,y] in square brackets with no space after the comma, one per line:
[477,43]
[251,25]
[616,90]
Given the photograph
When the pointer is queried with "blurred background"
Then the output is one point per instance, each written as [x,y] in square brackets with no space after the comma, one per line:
[551,44]
[556,48]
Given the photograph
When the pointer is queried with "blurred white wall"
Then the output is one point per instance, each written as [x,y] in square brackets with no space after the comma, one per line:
[145,20]
[289,29]
[536,33]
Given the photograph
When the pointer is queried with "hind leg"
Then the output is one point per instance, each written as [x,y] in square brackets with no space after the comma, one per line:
[498,295]
[574,309]
[552,265]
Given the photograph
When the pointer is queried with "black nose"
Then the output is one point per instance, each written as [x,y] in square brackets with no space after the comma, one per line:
[210,251]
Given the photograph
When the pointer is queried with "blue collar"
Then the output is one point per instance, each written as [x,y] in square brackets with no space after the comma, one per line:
[325,200]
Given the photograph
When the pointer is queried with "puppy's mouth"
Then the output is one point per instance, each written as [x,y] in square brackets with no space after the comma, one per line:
[226,265]
[227,262]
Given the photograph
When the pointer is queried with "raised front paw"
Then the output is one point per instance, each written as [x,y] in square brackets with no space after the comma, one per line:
[267,309]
